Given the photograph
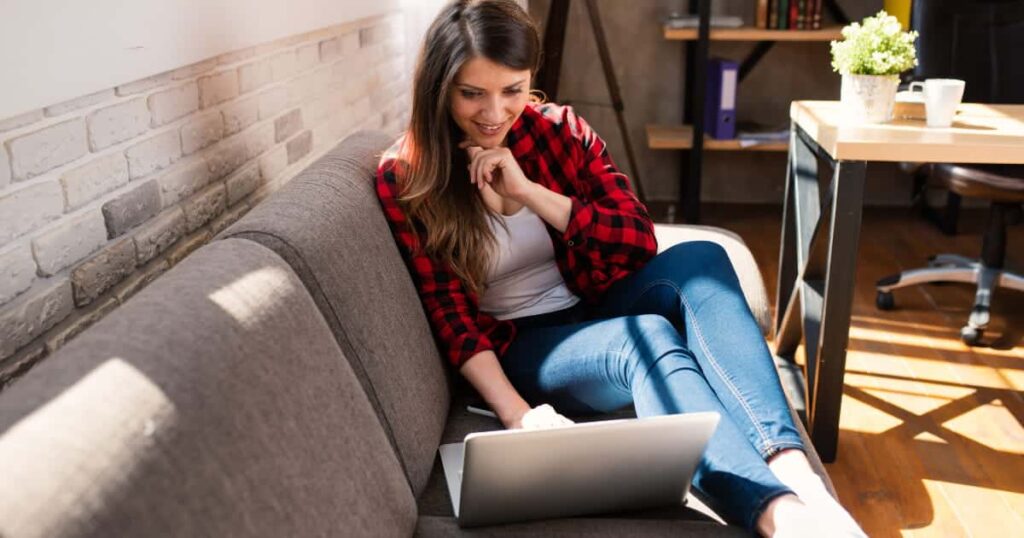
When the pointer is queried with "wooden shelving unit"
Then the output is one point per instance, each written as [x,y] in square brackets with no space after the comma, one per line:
[681,137]
[755,34]
[696,48]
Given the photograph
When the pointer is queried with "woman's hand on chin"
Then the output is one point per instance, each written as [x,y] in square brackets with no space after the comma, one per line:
[497,168]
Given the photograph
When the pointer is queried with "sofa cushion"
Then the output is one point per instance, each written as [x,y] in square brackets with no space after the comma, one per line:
[446,527]
[436,501]
[216,402]
[327,224]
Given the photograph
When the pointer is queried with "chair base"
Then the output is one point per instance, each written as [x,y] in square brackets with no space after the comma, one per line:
[954,268]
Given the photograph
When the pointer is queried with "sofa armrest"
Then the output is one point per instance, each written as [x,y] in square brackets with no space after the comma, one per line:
[740,256]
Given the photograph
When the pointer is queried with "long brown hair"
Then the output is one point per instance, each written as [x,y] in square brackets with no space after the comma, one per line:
[435,190]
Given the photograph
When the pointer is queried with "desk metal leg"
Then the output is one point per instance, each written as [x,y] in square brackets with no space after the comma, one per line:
[817,263]
[800,218]
[847,194]
[787,253]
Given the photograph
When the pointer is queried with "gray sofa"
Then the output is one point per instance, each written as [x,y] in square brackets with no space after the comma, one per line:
[280,381]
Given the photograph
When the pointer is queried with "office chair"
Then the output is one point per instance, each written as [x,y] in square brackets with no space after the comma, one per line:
[954,42]
[973,40]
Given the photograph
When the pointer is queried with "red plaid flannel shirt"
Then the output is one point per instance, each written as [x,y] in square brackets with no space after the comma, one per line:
[610,233]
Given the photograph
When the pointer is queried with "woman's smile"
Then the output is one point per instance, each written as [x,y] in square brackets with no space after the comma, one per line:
[489,129]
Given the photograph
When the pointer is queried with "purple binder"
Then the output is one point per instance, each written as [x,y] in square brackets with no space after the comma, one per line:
[720,101]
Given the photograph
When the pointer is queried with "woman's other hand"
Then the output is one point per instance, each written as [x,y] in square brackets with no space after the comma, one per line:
[539,418]
[497,168]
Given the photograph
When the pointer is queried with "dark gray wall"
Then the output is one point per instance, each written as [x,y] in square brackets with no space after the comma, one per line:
[650,73]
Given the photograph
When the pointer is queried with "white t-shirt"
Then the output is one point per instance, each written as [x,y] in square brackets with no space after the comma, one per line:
[523,279]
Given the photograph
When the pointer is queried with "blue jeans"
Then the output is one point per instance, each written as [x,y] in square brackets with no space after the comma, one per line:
[676,336]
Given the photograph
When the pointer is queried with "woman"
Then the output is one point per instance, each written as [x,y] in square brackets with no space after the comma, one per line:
[536,265]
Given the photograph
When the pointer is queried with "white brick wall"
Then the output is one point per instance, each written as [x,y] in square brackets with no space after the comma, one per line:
[239,115]
[169,105]
[306,56]
[152,154]
[20,120]
[242,183]
[218,88]
[274,162]
[259,139]
[94,179]
[34,312]
[17,270]
[183,180]
[163,164]
[5,168]
[47,148]
[254,76]
[26,208]
[69,241]
[68,106]
[201,132]
[113,124]
[272,101]
[283,65]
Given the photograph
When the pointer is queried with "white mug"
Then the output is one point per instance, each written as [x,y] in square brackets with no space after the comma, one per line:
[941,97]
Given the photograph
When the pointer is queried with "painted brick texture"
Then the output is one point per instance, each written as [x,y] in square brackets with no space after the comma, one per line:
[101,194]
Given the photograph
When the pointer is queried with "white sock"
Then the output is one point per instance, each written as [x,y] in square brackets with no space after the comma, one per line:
[812,491]
[797,521]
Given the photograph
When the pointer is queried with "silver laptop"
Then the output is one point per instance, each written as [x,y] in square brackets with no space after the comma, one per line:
[596,467]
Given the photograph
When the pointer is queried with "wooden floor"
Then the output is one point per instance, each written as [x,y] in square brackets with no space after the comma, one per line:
[932,432]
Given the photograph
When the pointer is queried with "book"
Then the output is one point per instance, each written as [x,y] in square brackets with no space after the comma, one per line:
[762,14]
[783,14]
[773,14]
[801,15]
[693,21]
[816,19]
[794,12]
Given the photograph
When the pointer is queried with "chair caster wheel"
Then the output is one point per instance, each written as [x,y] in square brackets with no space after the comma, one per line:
[884,300]
[970,336]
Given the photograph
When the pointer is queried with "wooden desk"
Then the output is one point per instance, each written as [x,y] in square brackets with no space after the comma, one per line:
[818,252]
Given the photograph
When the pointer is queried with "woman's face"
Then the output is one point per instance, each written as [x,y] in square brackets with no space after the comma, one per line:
[486,100]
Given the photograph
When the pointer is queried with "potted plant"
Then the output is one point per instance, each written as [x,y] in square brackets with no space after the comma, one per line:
[870,58]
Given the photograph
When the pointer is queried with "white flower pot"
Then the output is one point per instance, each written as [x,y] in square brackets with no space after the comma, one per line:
[868,98]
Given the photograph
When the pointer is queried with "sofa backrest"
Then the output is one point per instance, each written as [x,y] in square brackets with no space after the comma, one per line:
[216,402]
[328,225]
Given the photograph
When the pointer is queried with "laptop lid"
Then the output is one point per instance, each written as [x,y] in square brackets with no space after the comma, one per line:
[587,468]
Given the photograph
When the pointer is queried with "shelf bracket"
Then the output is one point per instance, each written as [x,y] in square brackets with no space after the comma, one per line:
[754,57]
[837,12]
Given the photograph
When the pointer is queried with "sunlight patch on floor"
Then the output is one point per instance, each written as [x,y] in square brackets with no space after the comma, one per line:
[928,437]
[945,523]
[978,505]
[860,417]
[917,397]
[938,370]
[914,336]
[904,326]
[992,425]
